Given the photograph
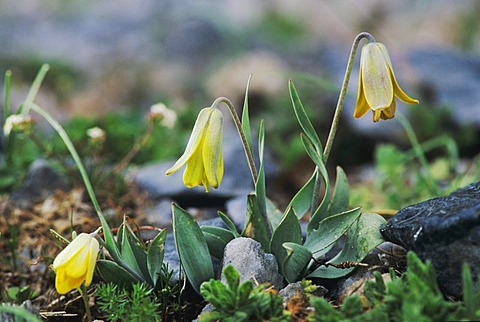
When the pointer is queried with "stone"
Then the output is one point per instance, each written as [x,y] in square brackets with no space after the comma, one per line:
[296,290]
[453,79]
[40,182]
[445,230]
[252,263]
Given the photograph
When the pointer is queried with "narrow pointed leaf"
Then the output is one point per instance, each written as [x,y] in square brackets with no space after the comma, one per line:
[288,230]
[321,212]
[340,198]
[296,262]
[362,237]
[303,118]
[303,198]
[155,254]
[191,247]
[217,238]
[112,272]
[229,223]
[256,227]
[274,215]
[246,118]
[133,255]
[330,230]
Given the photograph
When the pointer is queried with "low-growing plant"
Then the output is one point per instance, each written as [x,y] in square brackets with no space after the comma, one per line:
[331,216]
[139,304]
[235,301]
[415,296]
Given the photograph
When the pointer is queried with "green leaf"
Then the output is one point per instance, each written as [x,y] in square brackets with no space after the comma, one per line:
[217,238]
[133,255]
[229,223]
[303,119]
[303,198]
[296,262]
[274,215]
[330,230]
[320,212]
[245,117]
[256,226]
[288,230]
[19,313]
[191,247]
[155,254]
[340,198]
[362,237]
[114,273]
[260,184]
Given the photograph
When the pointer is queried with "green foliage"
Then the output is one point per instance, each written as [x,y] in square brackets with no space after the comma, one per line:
[19,294]
[415,296]
[241,301]
[137,262]
[20,314]
[119,304]
[400,178]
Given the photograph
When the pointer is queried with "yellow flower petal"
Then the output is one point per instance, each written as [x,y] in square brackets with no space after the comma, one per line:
[76,263]
[212,150]
[194,141]
[377,83]
[362,106]
[203,155]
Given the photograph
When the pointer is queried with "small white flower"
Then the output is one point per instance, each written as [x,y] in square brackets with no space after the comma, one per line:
[96,134]
[162,113]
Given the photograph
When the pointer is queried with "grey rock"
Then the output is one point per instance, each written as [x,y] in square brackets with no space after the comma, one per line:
[40,182]
[445,230]
[237,210]
[453,79]
[296,290]
[252,263]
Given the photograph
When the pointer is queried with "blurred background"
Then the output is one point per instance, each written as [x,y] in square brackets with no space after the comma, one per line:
[112,59]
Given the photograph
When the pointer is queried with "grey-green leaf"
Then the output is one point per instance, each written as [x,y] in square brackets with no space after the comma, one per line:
[330,230]
[303,198]
[191,247]
[217,238]
[112,272]
[302,117]
[296,262]
[288,230]
[362,237]
[340,198]
[155,254]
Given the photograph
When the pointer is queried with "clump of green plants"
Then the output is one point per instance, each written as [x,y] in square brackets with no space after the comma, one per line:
[414,296]
[405,177]
[119,304]
[235,301]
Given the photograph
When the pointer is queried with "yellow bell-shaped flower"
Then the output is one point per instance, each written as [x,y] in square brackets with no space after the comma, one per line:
[377,86]
[76,263]
[203,154]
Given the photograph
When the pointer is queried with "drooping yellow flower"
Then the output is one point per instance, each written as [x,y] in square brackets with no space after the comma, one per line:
[203,154]
[75,264]
[377,86]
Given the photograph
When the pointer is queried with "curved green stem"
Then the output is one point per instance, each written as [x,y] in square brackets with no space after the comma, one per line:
[343,92]
[27,104]
[243,138]
[109,239]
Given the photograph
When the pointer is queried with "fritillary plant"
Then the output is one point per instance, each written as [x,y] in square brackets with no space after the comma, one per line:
[130,260]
